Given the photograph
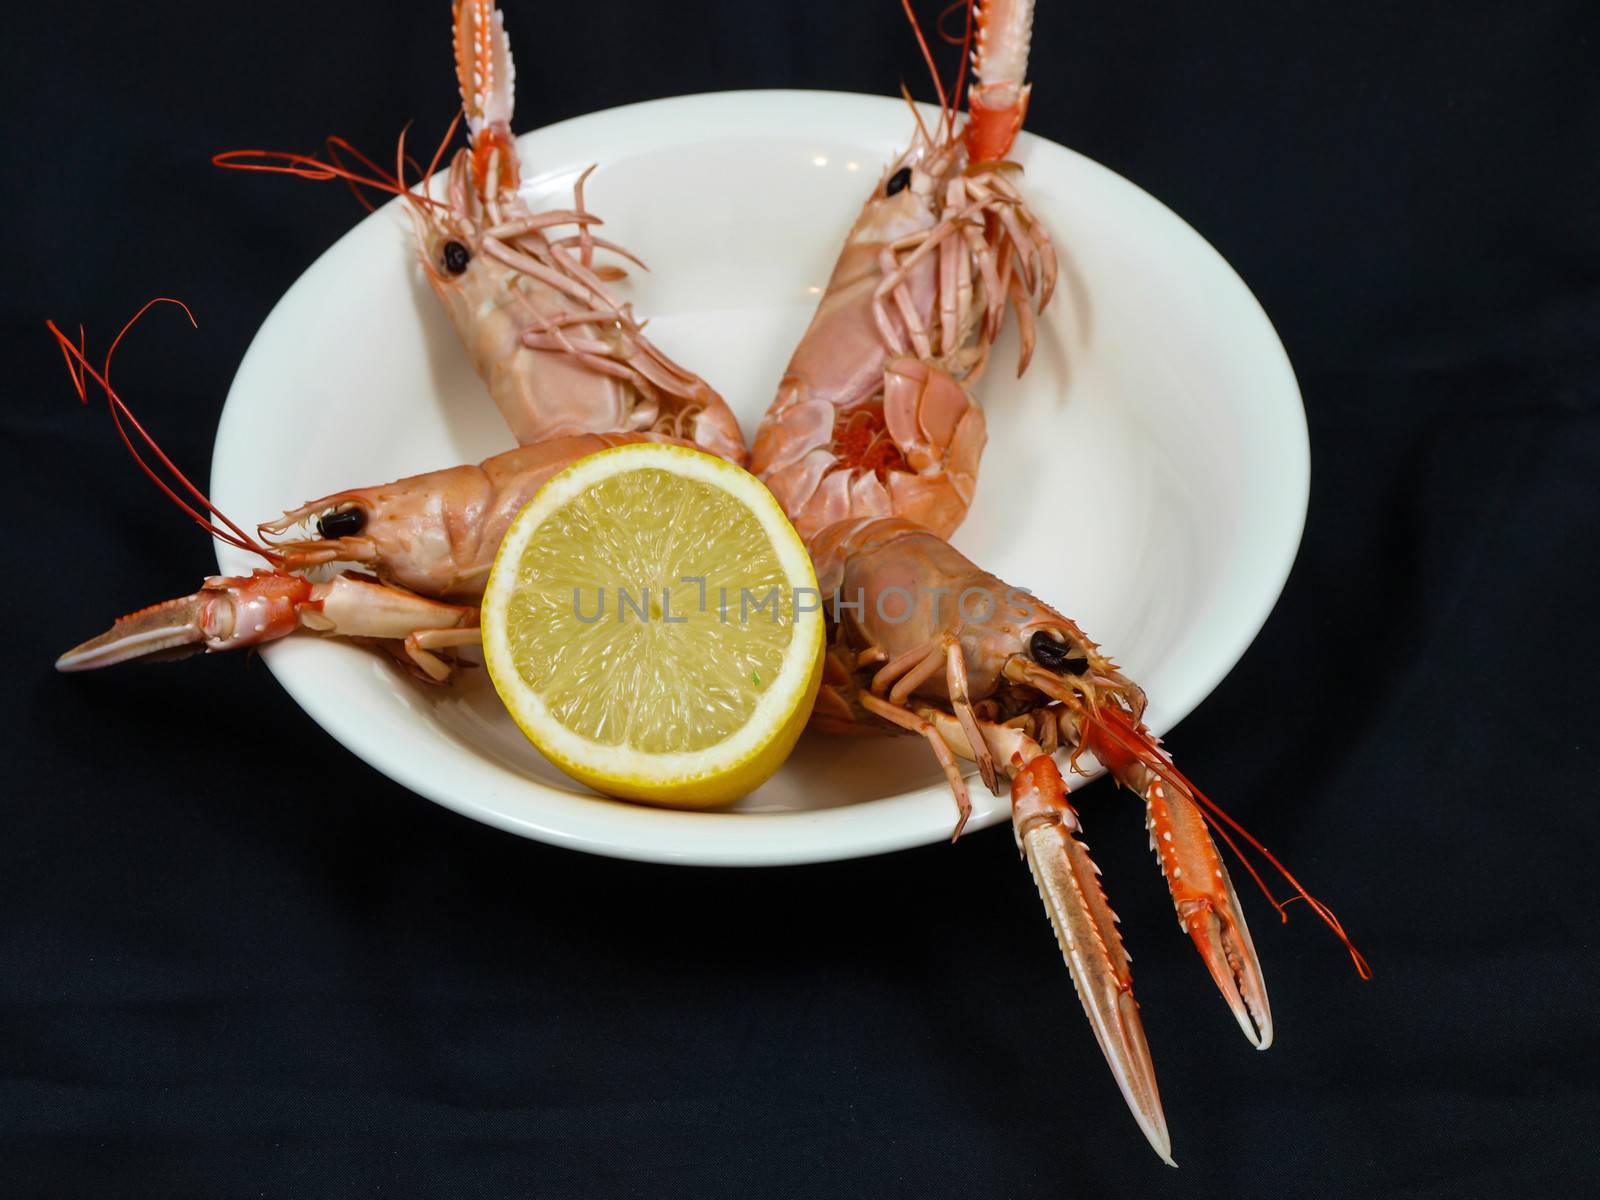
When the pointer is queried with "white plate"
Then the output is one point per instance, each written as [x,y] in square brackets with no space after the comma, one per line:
[1148,476]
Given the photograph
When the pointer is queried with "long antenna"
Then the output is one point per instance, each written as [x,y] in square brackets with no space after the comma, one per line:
[81,371]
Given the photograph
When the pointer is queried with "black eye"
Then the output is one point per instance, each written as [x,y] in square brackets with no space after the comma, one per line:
[346,522]
[1062,657]
[897,181]
[456,257]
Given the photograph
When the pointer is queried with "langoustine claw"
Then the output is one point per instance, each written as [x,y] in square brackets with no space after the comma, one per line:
[240,612]
[1047,828]
[1202,893]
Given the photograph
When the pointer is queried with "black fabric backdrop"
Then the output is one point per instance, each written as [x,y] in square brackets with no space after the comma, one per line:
[236,961]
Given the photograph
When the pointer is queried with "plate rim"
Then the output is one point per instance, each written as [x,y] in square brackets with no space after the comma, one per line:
[771,848]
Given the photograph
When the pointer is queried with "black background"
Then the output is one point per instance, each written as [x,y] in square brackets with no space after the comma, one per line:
[236,961]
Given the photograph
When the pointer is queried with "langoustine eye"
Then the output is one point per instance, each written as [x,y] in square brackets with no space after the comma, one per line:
[1064,658]
[456,257]
[897,181]
[346,522]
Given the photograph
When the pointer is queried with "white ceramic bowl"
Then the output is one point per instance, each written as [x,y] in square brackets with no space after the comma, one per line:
[1148,476]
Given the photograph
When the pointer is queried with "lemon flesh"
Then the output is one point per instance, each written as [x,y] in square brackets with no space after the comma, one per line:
[653,625]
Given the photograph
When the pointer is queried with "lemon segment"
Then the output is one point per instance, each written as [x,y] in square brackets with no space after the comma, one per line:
[653,625]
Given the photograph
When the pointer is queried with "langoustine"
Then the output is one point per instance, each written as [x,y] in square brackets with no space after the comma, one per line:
[523,290]
[872,445]
[424,544]
[923,641]
[874,415]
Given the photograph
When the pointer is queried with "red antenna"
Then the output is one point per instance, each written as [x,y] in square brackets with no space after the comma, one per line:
[949,104]
[309,166]
[81,371]
[945,106]
[964,41]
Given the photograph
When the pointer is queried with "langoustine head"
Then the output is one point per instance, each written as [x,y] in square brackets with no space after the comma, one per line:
[904,588]
[995,44]
[418,532]
[434,533]
[484,175]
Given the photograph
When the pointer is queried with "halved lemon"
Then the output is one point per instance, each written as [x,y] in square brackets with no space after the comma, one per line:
[652,622]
